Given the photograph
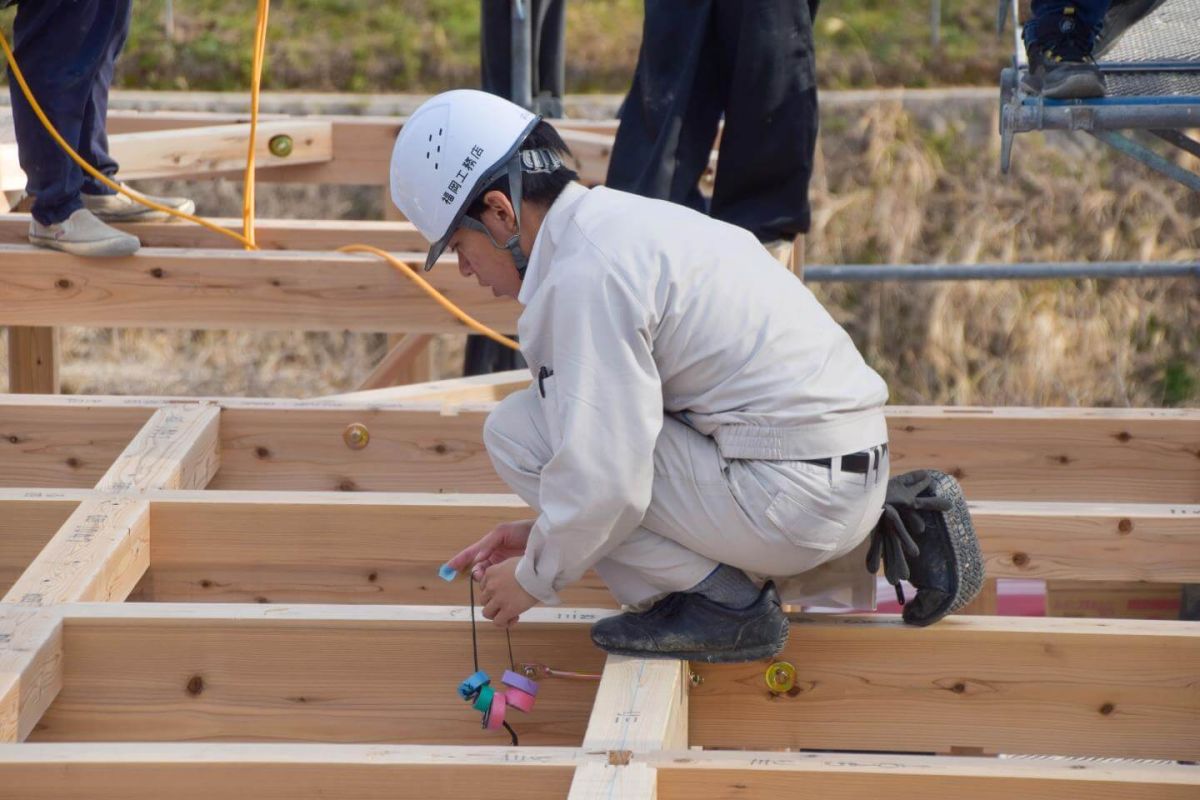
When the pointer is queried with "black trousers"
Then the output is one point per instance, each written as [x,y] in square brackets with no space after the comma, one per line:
[66,49]
[749,60]
[547,51]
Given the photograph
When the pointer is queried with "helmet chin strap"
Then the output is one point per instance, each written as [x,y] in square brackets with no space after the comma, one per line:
[513,245]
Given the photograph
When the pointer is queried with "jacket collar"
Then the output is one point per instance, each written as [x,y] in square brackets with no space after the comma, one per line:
[561,212]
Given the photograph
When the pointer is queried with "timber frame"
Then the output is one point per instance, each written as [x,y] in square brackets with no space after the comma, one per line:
[238,598]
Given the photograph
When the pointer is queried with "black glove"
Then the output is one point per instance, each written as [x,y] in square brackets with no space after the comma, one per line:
[892,538]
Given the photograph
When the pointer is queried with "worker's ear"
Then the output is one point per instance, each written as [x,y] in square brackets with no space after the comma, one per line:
[500,209]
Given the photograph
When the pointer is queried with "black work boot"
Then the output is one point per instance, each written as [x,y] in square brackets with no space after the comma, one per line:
[1059,47]
[693,628]
[948,572]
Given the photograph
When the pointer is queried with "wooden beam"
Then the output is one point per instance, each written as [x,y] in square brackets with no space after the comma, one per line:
[331,547]
[852,776]
[473,389]
[33,359]
[98,771]
[216,289]
[399,362]
[641,705]
[31,657]
[323,547]
[27,524]
[1090,541]
[99,554]
[1069,455]
[1004,685]
[270,234]
[202,151]
[176,449]
[104,771]
[348,674]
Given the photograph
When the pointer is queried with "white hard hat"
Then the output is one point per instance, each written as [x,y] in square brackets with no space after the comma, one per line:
[452,148]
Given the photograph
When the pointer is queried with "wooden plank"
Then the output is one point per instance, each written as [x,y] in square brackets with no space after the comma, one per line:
[323,547]
[101,771]
[1005,685]
[985,602]
[362,146]
[26,525]
[327,547]
[99,554]
[176,449]
[1112,455]
[270,234]
[31,657]
[406,362]
[202,151]
[335,674]
[852,776]
[641,705]
[1096,542]
[33,359]
[244,290]
[98,771]
[63,446]
[594,781]
[472,389]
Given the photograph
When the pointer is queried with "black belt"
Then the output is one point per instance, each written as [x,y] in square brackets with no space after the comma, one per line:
[859,463]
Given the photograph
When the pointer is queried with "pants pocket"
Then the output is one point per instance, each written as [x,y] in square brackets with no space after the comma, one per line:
[803,522]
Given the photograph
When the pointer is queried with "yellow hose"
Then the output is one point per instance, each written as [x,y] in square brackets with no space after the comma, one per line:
[246,238]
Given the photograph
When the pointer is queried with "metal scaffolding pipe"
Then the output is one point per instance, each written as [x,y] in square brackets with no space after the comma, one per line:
[860,273]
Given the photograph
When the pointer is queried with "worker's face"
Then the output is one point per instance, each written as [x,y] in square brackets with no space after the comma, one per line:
[492,266]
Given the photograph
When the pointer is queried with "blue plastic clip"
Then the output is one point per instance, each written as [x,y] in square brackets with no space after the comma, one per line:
[447,573]
[468,688]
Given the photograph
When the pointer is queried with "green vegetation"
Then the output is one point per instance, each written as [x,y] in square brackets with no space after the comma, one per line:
[428,45]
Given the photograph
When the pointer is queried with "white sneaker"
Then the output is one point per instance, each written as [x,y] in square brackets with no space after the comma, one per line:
[119,208]
[82,234]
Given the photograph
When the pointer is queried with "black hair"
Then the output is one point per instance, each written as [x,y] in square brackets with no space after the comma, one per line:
[542,188]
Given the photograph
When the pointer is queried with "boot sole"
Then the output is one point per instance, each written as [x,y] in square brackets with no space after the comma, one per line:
[1075,87]
[968,556]
[757,653]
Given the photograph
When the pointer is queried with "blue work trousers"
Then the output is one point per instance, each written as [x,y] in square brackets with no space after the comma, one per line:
[66,50]
[1046,13]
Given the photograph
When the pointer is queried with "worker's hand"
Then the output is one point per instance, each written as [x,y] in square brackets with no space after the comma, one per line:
[504,599]
[502,542]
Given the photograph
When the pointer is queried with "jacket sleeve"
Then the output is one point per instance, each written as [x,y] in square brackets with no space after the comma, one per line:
[606,397]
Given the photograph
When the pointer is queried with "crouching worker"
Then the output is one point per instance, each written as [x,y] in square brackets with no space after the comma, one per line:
[699,430]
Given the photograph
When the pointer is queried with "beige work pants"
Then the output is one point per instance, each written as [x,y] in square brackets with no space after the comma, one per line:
[806,526]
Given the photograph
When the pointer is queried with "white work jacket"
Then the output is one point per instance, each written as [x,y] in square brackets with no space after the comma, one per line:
[635,308]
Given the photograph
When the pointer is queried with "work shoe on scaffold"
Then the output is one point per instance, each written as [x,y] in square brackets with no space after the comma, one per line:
[693,628]
[1059,47]
[119,208]
[81,234]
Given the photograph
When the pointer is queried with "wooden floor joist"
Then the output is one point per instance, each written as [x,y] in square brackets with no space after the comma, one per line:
[202,151]
[269,234]
[162,501]
[408,772]
[241,290]
[354,547]
[1059,455]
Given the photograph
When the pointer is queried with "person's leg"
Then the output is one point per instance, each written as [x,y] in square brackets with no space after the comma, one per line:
[549,56]
[767,518]
[669,119]
[1059,39]
[93,134]
[60,47]
[765,52]
[645,566]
